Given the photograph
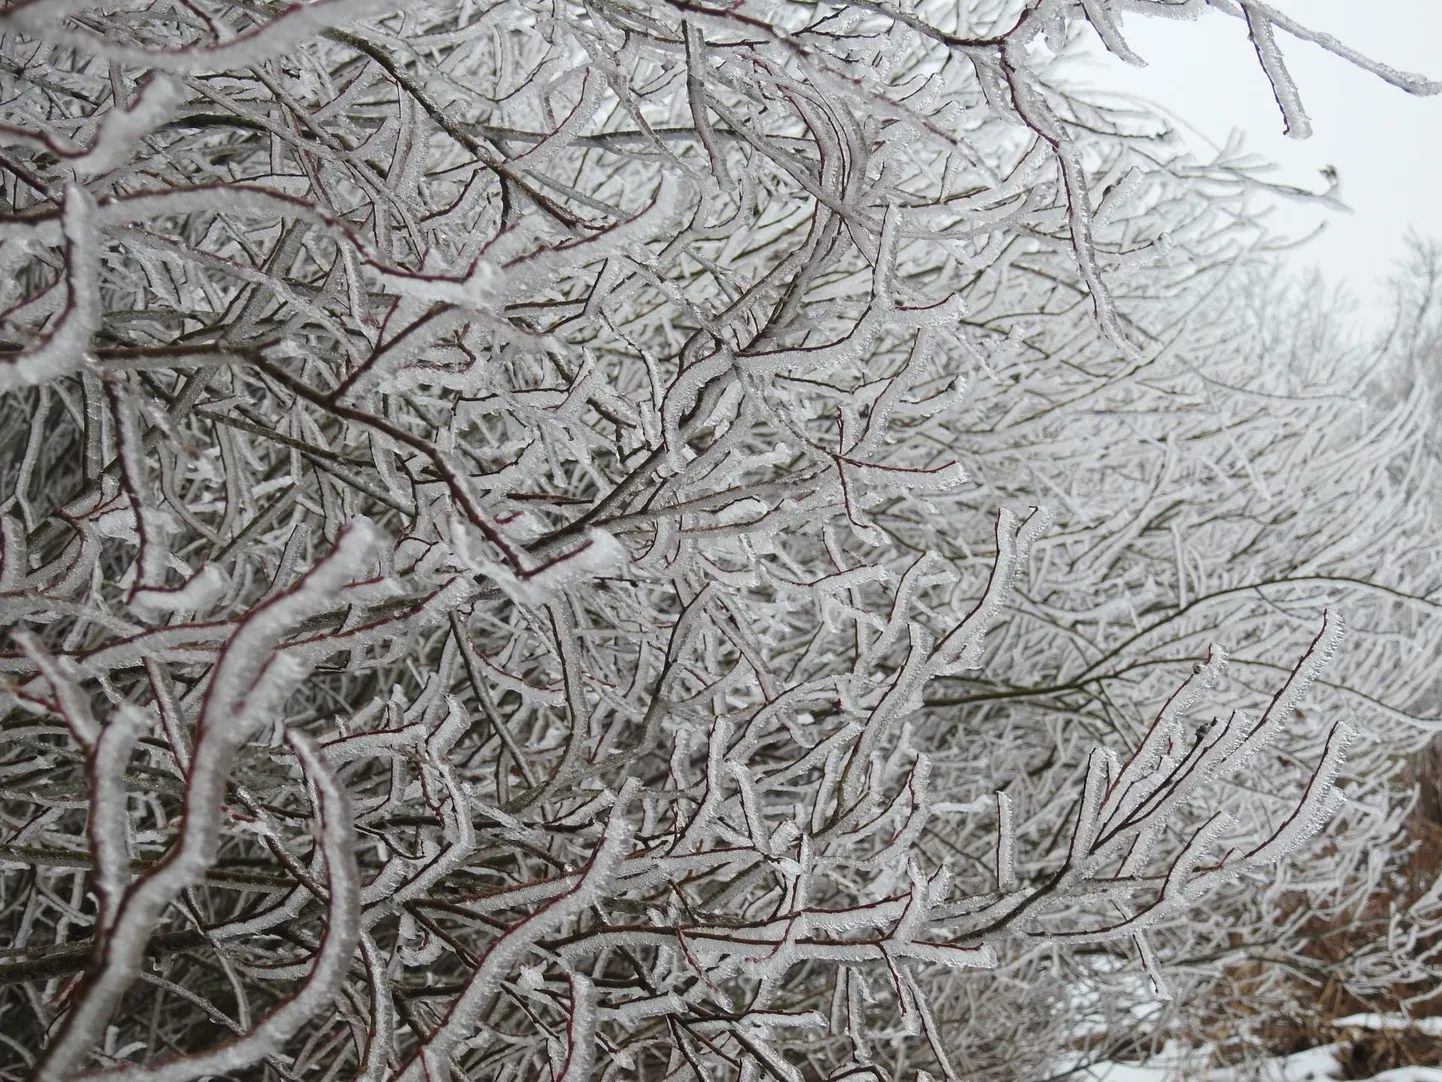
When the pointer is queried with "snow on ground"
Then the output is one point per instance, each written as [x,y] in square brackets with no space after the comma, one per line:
[1179,1063]
[1431,1026]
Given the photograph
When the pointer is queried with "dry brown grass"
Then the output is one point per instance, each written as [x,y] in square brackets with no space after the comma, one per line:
[1262,1015]
[1367,1053]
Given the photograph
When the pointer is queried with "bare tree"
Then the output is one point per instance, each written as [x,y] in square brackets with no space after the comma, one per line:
[507,579]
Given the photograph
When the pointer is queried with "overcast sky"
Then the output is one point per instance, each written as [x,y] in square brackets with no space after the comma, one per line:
[1385,144]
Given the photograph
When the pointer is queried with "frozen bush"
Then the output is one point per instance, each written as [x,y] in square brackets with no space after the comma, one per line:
[523,540]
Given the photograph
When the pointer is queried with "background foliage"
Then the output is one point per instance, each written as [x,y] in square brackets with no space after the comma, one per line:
[655,540]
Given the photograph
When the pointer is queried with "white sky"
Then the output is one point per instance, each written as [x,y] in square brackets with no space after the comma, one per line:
[1385,144]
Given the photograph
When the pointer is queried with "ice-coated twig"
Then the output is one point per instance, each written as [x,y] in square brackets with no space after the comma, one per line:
[1297,124]
[1160,988]
[1411,83]
[332,960]
[508,949]
[67,347]
[580,1031]
[1104,21]
[381,1033]
[1284,703]
[248,681]
[271,38]
[1005,844]
[123,128]
[1130,787]
[962,645]
[74,706]
[109,825]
